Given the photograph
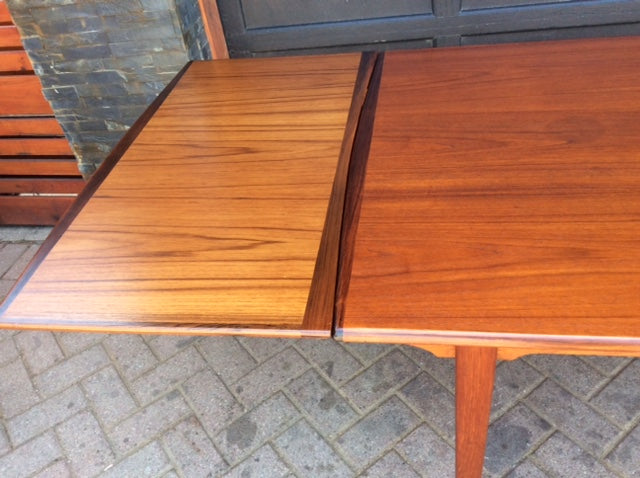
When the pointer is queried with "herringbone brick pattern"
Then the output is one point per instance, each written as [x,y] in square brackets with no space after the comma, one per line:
[86,405]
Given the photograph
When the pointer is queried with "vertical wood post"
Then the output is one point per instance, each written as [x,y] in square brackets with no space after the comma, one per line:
[213,29]
[475,372]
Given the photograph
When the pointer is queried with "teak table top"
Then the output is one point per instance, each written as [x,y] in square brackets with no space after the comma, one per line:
[501,201]
[478,202]
[213,220]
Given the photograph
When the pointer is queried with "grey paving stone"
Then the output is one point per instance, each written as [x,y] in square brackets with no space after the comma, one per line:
[385,375]
[572,372]
[211,400]
[21,263]
[171,474]
[390,465]
[263,463]
[9,254]
[330,412]
[261,349]
[73,342]
[512,436]
[626,456]
[5,334]
[442,369]
[131,354]
[331,357]
[167,375]
[310,454]
[12,233]
[564,458]
[527,470]
[72,370]
[58,469]
[39,350]
[150,461]
[572,416]
[147,423]
[4,441]
[367,353]
[227,357]
[428,453]
[269,376]
[110,399]
[620,399]
[45,415]
[8,351]
[16,390]
[514,380]
[435,403]
[30,457]
[193,450]
[607,365]
[85,445]
[165,346]
[252,429]
[377,432]
[37,233]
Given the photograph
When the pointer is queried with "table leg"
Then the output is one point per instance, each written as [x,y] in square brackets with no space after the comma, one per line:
[475,372]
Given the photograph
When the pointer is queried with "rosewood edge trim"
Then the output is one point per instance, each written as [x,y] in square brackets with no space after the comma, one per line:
[91,187]
[353,194]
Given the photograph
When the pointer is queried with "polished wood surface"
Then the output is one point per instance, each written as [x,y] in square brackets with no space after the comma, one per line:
[475,374]
[212,220]
[501,205]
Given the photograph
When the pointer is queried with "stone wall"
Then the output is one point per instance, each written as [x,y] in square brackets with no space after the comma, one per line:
[102,62]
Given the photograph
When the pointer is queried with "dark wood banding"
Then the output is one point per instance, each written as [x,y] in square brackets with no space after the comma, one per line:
[354,186]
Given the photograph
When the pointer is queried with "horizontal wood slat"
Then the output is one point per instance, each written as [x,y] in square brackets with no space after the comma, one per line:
[38,167]
[47,147]
[41,185]
[33,210]
[22,95]
[15,61]
[9,38]
[5,17]
[37,126]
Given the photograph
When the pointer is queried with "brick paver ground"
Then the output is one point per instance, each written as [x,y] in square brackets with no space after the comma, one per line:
[86,405]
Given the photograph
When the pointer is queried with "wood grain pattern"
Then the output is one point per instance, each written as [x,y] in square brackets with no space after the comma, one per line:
[38,167]
[475,374]
[51,147]
[33,210]
[22,95]
[213,29]
[9,37]
[501,205]
[5,17]
[31,185]
[212,220]
[15,61]
[30,126]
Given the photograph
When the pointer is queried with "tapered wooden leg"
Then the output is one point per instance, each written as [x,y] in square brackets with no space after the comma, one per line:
[475,372]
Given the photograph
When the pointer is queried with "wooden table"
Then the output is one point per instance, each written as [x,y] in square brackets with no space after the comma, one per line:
[481,203]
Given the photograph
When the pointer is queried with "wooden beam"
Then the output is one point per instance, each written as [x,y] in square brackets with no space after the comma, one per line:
[33,210]
[5,16]
[38,167]
[14,61]
[34,126]
[41,185]
[42,147]
[22,95]
[213,29]
[10,37]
